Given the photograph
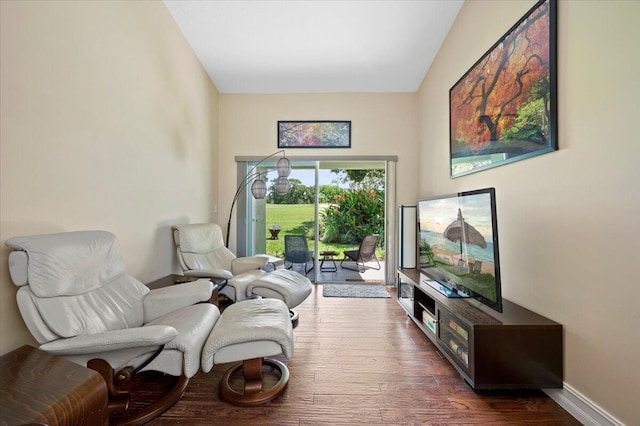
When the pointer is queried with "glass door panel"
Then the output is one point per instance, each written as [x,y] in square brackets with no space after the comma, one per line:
[350,202]
[315,186]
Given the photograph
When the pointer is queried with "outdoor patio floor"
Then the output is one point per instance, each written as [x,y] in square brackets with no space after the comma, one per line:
[343,275]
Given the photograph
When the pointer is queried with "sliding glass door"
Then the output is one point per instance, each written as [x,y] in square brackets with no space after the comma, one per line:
[333,203]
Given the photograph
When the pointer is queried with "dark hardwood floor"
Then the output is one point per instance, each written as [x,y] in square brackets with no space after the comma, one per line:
[363,361]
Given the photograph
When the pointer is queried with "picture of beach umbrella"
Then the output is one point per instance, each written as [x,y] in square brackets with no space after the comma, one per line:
[461,231]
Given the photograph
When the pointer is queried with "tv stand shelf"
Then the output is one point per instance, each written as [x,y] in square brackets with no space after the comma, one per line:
[515,349]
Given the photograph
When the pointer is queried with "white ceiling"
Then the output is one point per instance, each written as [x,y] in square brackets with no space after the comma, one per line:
[317,46]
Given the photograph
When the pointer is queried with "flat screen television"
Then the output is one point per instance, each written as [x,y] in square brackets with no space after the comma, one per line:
[458,245]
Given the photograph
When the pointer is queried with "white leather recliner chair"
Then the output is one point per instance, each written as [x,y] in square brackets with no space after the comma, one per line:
[202,253]
[79,303]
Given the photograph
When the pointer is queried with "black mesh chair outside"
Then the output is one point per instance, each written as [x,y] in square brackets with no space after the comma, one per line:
[365,253]
[296,251]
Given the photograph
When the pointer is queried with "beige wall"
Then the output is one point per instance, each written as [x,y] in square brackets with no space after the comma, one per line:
[108,122]
[568,221]
[381,124]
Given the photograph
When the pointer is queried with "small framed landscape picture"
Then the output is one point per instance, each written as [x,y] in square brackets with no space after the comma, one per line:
[314,134]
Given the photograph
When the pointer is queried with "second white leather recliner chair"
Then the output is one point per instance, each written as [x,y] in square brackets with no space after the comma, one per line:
[202,253]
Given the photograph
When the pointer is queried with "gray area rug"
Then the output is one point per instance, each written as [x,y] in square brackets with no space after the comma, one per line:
[355,290]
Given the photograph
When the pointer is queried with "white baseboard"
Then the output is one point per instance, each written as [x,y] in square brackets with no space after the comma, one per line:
[580,407]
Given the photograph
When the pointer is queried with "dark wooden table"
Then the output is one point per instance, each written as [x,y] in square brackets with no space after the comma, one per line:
[174,279]
[37,387]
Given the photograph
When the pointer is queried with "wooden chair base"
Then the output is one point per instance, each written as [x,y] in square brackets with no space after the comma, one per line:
[127,411]
[252,392]
[295,318]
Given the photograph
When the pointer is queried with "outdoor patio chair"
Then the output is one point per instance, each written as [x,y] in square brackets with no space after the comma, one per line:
[296,251]
[365,253]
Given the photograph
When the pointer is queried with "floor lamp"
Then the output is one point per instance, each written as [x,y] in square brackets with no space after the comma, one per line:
[258,185]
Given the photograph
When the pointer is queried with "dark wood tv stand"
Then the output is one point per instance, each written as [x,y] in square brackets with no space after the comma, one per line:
[515,349]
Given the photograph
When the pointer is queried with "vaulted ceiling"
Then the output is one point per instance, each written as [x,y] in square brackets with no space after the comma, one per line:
[317,46]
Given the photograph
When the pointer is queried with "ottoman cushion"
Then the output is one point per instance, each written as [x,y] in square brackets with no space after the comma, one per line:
[291,287]
[249,329]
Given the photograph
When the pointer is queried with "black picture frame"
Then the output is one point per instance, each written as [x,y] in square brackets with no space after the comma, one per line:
[504,108]
[314,134]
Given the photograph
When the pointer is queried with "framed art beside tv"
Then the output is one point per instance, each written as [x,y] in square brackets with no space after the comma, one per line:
[504,108]
[314,134]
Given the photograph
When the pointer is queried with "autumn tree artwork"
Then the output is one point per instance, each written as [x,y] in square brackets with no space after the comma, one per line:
[314,134]
[503,109]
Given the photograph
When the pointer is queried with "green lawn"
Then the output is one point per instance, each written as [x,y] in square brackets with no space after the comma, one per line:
[298,219]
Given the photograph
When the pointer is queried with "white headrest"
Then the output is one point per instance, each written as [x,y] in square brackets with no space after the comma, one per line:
[199,237]
[69,263]
[19,267]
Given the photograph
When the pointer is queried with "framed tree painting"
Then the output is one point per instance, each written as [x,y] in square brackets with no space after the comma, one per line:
[504,109]
[314,134]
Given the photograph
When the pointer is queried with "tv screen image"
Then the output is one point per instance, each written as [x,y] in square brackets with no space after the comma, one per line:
[458,245]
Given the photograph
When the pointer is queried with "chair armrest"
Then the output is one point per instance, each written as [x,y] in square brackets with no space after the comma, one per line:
[168,299]
[216,274]
[138,337]
[241,265]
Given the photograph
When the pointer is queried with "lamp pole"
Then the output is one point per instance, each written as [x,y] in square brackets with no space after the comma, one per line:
[284,169]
